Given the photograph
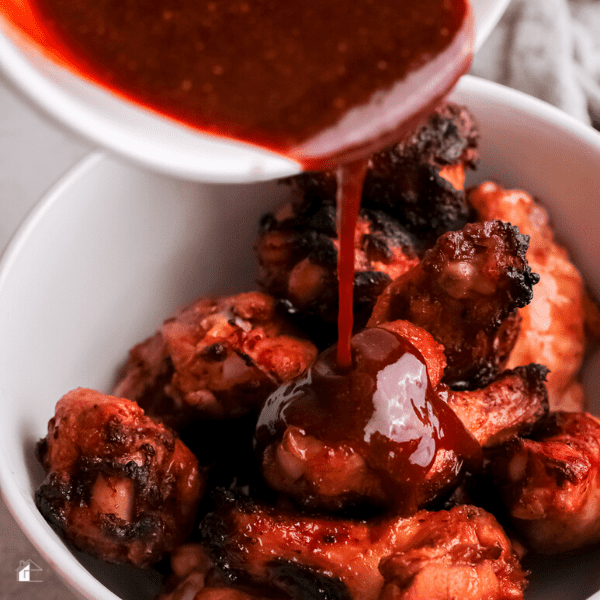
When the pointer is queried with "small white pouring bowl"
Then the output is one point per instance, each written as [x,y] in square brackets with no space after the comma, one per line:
[144,136]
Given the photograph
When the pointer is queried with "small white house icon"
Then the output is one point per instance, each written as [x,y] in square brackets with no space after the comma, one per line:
[27,571]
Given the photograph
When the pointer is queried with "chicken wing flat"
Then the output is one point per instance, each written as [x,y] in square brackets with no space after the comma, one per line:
[217,358]
[510,405]
[465,292]
[120,486]
[550,483]
[376,434]
[552,331]
[298,250]
[317,558]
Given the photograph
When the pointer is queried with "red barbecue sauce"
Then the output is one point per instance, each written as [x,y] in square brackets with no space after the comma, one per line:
[297,78]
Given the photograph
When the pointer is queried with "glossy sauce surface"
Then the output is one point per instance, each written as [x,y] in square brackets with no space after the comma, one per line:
[383,407]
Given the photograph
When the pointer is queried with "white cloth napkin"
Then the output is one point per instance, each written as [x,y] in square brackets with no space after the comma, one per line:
[549,49]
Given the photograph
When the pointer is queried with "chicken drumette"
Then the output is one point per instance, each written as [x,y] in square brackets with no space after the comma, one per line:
[436,555]
[465,292]
[217,358]
[120,485]
[550,483]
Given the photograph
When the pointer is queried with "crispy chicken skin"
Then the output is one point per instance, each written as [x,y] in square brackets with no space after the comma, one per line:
[430,553]
[510,405]
[217,358]
[552,331]
[194,577]
[331,476]
[419,181]
[465,292]
[328,446]
[298,252]
[550,483]
[120,485]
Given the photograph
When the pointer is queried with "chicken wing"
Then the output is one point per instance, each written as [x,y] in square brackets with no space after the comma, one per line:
[377,434]
[551,482]
[434,553]
[552,331]
[120,486]
[217,358]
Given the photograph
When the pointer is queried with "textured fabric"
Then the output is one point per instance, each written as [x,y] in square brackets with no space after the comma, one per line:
[549,49]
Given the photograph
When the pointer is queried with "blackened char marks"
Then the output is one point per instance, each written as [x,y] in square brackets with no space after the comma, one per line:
[465,292]
[409,180]
[298,251]
[305,583]
[119,485]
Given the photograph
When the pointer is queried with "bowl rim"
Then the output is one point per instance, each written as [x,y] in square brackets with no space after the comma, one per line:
[47,543]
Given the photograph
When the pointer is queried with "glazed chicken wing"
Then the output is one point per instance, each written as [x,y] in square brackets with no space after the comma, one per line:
[319,472]
[216,358]
[551,482]
[510,405]
[298,253]
[552,331]
[419,182]
[120,486]
[311,558]
[465,292]
[378,434]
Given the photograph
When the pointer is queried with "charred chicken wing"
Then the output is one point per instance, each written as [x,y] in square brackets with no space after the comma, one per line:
[552,331]
[419,182]
[465,292]
[551,482]
[216,358]
[298,252]
[440,555]
[120,485]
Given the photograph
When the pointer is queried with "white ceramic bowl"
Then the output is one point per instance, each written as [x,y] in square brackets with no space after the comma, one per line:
[144,136]
[112,250]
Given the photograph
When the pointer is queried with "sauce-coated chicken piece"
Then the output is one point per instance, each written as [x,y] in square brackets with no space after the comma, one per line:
[419,182]
[552,331]
[298,252]
[465,292]
[194,577]
[550,483]
[510,405]
[120,485]
[318,472]
[311,558]
[378,433]
[217,358]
